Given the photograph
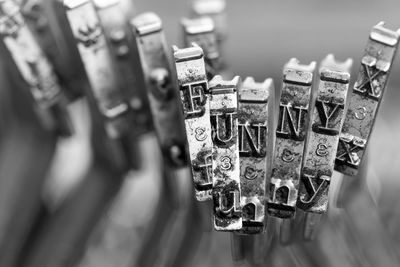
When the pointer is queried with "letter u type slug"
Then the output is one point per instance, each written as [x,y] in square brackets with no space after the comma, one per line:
[225,154]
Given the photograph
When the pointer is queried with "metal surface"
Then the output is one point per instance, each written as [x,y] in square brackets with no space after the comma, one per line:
[52,34]
[290,138]
[323,135]
[161,88]
[26,152]
[225,153]
[122,46]
[256,120]
[263,244]
[366,98]
[19,213]
[215,9]
[195,97]
[202,32]
[35,68]
[99,66]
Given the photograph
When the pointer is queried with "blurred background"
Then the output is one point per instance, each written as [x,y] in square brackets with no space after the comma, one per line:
[48,186]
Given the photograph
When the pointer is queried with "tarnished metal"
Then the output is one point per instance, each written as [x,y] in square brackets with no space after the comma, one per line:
[122,46]
[195,97]
[99,66]
[34,67]
[325,125]
[225,153]
[161,90]
[202,32]
[366,98]
[290,138]
[214,9]
[256,109]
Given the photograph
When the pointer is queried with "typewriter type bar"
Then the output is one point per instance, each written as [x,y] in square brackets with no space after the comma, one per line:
[122,45]
[323,137]
[97,59]
[195,97]
[47,22]
[225,153]
[215,9]
[202,32]
[256,109]
[161,91]
[290,138]
[366,98]
[35,68]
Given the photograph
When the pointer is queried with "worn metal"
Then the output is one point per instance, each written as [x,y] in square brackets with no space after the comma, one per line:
[256,109]
[326,122]
[161,89]
[33,12]
[216,10]
[290,138]
[122,46]
[366,98]
[195,98]
[35,68]
[202,32]
[225,153]
[99,66]
[47,22]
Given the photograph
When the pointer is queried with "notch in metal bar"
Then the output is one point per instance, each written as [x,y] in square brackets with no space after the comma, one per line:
[290,138]
[202,32]
[366,98]
[225,153]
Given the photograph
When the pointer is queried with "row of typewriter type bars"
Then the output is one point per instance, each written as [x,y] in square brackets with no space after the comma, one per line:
[252,158]
[246,155]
